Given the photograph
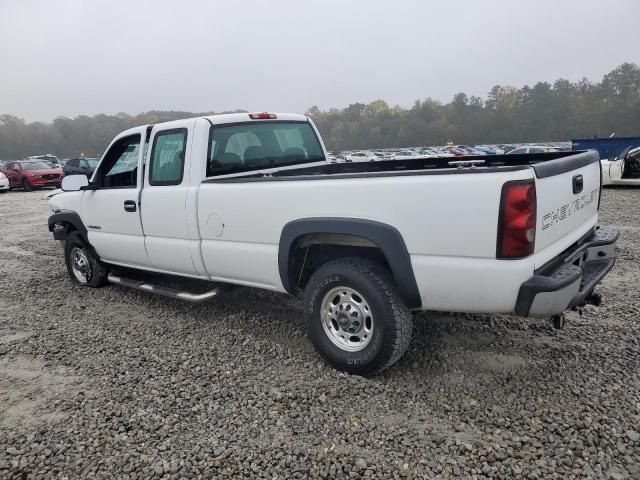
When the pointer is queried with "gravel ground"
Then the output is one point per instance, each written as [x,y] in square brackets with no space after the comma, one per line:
[111,383]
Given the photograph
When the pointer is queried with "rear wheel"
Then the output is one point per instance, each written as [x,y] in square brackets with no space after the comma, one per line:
[355,316]
[27,185]
[82,265]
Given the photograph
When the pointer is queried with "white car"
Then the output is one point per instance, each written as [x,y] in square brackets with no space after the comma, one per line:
[4,183]
[405,155]
[249,199]
[361,157]
[527,149]
[624,170]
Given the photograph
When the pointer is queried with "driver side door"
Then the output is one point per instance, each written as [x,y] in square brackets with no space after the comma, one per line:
[111,204]
[615,170]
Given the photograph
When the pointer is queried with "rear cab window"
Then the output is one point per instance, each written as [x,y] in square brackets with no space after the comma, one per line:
[250,146]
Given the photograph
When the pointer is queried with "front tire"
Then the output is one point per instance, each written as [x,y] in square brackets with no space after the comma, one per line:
[355,316]
[82,265]
[27,186]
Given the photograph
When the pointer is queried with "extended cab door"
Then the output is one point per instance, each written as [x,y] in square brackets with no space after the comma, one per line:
[170,226]
[110,208]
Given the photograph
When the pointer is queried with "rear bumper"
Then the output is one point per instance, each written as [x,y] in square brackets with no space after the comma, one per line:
[568,279]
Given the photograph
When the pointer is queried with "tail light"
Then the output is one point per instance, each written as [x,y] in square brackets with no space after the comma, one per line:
[517,220]
[262,116]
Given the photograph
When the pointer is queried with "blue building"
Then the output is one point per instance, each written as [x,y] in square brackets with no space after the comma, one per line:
[608,148]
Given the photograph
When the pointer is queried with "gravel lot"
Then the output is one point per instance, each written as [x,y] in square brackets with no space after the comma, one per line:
[113,383]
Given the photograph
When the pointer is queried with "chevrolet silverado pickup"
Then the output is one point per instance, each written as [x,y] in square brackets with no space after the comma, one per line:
[250,199]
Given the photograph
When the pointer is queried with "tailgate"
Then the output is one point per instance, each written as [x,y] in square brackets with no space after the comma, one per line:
[568,192]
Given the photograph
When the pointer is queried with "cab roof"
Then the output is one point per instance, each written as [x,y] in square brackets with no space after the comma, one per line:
[244,117]
[221,119]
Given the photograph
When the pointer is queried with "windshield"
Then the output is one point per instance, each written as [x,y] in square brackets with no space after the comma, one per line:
[93,162]
[253,146]
[35,166]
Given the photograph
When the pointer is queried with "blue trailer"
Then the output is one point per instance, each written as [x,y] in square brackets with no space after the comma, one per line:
[608,148]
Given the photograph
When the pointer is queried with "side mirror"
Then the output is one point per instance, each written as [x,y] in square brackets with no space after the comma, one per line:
[74,183]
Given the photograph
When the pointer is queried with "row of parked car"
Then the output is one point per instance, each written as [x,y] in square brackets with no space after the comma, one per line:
[48,170]
[443,151]
[42,171]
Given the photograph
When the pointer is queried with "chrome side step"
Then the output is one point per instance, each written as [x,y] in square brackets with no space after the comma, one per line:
[165,291]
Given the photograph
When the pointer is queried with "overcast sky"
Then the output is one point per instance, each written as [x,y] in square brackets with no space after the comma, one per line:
[72,57]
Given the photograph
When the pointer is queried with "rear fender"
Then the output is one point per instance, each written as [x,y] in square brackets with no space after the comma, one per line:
[384,236]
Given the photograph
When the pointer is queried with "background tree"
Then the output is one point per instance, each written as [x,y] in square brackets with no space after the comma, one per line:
[542,112]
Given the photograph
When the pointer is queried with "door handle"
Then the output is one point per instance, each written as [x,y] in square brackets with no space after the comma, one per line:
[130,205]
[578,183]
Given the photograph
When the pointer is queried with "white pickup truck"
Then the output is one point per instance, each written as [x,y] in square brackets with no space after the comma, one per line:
[249,199]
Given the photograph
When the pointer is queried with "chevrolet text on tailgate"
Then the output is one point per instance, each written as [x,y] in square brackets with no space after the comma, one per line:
[249,199]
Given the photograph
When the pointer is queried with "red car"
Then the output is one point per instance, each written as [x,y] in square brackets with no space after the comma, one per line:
[31,174]
[456,152]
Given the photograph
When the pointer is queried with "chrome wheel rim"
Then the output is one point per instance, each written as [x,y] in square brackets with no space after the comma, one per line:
[347,319]
[80,265]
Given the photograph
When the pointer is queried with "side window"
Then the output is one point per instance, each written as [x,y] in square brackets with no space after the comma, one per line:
[167,157]
[72,163]
[119,168]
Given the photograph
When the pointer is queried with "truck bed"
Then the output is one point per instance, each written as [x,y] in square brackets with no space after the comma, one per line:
[422,166]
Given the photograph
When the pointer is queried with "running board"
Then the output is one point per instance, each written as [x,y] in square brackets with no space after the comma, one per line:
[164,291]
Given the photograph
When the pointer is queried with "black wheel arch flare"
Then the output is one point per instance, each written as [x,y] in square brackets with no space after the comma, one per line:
[384,236]
[71,218]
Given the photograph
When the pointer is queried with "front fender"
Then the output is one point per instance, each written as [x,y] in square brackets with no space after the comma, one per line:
[65,219]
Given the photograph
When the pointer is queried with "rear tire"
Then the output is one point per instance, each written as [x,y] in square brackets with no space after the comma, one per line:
[355,316]
[83,266]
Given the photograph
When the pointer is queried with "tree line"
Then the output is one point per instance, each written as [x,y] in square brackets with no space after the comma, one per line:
[542,112]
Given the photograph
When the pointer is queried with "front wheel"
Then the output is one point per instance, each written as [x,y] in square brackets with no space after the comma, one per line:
[355,316]
[82,265]
[27,185]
